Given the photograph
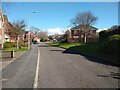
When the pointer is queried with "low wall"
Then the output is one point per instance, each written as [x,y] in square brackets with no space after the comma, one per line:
[7,54]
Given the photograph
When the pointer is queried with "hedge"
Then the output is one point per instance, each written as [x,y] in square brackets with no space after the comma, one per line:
[111,45]
[7,45]
[13,44]
[103,35]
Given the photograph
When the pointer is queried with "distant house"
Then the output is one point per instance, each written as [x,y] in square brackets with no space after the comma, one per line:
[36,39]
[75,34]
[32,36]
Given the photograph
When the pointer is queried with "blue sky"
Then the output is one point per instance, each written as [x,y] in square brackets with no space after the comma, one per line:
[56,16]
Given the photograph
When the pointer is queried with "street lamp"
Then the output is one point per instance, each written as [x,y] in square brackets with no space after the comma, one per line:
[29,29]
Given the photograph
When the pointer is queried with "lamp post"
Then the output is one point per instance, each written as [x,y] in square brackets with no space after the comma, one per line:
[29,29]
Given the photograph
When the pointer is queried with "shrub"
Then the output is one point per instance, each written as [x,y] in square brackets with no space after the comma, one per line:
[111,45]
[114,43]
[13,44]
[43,39]
[103,35]
[7,45]
[20,43]
[64,40]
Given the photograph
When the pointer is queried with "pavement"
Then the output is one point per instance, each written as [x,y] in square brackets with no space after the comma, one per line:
[5,61]
[58,69]
[20,73]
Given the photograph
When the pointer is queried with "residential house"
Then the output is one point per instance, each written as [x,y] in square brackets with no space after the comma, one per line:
[3,28]
[32,35]
[8,37]
[12,38]
[36,39]
[76,34]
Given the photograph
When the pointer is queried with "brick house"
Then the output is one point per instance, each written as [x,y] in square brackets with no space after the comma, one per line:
[12,38]
[36,39]
[9,38]
[3,28]
[75,34]
[32,36]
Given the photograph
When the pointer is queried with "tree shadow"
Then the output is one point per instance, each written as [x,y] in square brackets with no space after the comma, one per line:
[57,50]
[114,75]
[42,45]
[74,50]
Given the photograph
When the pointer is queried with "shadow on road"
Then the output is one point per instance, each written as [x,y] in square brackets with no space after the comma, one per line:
[44,45]
[71,50]
[57,50]
[111,75]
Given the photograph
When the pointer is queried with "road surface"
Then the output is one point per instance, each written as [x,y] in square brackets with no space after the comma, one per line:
[58,69]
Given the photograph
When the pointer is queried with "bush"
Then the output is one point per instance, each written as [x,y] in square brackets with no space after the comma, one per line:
[7,45]
[114,43]
[43,40]
[64,40]
[111,45]
[13,44]
[20,43]
[103,35]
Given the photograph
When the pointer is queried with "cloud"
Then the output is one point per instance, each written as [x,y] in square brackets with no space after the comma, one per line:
[52,31]
[101,29]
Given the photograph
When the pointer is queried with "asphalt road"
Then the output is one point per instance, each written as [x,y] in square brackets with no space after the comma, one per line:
[58,69]
[66,70]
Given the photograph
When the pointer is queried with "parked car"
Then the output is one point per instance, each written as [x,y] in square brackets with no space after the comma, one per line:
[35,42]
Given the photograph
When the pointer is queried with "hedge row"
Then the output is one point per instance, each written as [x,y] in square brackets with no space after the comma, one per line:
[13,44]
[111,46]
[103,35]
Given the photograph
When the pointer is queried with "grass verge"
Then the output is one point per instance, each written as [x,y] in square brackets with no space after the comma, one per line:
[86,48]
[14,48]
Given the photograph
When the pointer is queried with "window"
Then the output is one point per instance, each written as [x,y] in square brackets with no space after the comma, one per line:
[75,32]
[91,31]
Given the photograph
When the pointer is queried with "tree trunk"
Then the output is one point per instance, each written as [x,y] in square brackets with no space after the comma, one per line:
[85,39]
[17,42]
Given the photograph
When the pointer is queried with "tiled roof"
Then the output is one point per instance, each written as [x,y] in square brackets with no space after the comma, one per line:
[80,27]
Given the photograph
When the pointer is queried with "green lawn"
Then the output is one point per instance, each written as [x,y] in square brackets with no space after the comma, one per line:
[14,48]
[86,48]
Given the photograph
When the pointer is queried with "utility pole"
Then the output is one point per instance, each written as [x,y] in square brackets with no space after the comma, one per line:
[29,29]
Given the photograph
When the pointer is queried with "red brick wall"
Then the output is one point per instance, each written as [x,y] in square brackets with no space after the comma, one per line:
[80,39]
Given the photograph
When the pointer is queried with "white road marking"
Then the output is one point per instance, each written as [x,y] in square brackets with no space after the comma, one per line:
[35,85]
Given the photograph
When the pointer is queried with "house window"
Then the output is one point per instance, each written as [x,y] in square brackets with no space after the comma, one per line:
[91,31]
[75,32]
[75,36]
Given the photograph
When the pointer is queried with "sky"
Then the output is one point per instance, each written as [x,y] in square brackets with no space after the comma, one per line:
[54,17]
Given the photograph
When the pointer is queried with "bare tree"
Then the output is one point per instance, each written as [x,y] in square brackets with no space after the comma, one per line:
[6,6]
[36,30]
[85,19]
[17,28]
[42,35]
